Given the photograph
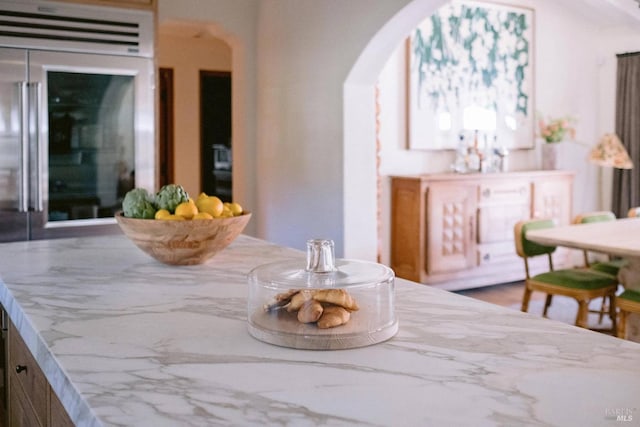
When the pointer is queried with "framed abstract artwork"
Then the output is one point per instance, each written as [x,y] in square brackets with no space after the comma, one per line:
[470,73]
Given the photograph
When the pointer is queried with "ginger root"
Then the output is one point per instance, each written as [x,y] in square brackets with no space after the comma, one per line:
[332,316]
[299,299]
[328,308]
[338,297]
[310,311]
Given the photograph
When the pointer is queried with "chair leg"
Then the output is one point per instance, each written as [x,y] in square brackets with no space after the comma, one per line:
[547,304]
[603,309]
[622,323]
[583,313]
[525,299]
[612,313]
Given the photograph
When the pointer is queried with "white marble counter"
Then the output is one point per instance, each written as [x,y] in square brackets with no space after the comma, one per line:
[127,341]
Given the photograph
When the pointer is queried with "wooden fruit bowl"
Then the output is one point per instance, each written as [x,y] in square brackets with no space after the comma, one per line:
[186,242]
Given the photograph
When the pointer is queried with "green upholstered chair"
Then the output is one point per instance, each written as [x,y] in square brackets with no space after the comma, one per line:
[581,284]
[609,266]
[627,302]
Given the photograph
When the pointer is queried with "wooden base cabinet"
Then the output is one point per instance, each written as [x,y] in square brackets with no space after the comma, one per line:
[456,231]
[32,402]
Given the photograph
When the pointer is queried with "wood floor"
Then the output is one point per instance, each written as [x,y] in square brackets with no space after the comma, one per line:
[510,295]
[507,294]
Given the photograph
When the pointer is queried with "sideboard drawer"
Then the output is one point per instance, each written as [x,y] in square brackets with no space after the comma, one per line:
[508,191]
[497,253]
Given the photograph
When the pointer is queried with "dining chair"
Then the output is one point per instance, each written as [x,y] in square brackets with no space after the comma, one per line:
[611,265]
[627,302]
[582,284]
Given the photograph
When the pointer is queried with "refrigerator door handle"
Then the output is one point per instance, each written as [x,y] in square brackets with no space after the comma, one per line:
[36,105]
[23,197]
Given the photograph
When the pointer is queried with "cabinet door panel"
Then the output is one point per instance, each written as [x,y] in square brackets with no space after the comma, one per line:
[451,223]
[495,223]
[406,219]
[552,199]
[21,413]
[59,416]
[30,379]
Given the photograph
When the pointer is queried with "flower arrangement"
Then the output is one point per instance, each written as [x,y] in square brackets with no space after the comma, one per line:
[555,130]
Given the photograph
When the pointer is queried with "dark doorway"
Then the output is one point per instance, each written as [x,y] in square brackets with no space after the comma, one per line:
[166,127]
[215,134]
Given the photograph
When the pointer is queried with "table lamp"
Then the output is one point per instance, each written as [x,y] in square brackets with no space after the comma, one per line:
[610,152]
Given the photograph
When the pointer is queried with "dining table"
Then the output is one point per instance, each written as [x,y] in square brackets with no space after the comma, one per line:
[619,238]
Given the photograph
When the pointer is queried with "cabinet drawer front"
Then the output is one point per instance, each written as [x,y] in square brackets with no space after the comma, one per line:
[495,223]
[29,378]
[497,253]
[505,192]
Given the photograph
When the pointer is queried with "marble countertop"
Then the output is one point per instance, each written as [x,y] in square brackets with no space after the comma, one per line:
[127,341]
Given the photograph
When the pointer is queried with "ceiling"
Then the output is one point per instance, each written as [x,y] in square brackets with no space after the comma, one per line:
[606,13]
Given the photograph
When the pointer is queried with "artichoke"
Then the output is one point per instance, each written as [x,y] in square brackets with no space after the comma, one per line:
[170,196]
[138,203]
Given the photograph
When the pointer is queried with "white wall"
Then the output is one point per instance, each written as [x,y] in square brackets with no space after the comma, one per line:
[305,52]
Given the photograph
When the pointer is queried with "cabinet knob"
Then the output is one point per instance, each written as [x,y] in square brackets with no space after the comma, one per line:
[20,368]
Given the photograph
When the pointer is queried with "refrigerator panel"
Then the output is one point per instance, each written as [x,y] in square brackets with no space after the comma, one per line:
[95,140]
[13,145]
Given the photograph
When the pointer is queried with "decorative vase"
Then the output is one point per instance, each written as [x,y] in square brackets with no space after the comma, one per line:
[550,154]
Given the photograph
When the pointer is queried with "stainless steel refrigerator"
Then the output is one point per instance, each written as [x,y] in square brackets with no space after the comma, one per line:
[77,116]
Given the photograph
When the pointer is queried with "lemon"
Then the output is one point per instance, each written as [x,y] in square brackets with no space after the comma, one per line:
[172,217]
[226,212]
[162,213]
[211,205]
[202,195]
[235,209]
[202,215]
[186,210]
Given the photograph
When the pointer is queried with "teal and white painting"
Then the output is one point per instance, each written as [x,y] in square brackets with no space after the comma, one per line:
[470,67]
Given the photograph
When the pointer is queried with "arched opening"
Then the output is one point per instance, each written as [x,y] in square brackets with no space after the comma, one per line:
[360,178]
[219,51]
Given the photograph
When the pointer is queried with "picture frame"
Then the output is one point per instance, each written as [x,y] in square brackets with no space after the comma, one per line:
[470,78]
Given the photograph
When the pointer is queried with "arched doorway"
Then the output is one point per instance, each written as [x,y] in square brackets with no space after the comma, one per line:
[360,177]
[187,151]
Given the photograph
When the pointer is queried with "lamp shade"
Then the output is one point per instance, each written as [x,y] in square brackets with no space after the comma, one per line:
[610,152]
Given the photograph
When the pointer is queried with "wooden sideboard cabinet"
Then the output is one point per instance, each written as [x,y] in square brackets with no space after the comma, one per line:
[455,231]
[32,402]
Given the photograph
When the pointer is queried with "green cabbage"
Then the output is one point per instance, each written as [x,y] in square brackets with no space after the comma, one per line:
[138,203]
[170,196]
